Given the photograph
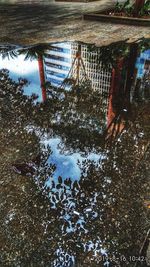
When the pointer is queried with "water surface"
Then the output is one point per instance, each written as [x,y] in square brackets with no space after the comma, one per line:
[74,154]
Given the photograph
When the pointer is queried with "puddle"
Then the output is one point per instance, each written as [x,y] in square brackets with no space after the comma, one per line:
[74,154]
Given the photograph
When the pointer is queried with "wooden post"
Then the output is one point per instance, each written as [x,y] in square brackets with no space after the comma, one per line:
[42,77]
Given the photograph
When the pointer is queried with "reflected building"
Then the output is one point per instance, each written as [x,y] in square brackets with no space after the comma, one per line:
[59,60]
[57,63]
[142,61]
[76,62]
[100,78]
[141,86]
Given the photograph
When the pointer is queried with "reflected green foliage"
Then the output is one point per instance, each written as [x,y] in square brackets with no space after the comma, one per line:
[145,8]
[137,8]
[8,52]
[33,52]
[144,44]
[78,118]
[108,55]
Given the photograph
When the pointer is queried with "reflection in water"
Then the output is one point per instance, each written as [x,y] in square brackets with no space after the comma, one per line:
[74,167]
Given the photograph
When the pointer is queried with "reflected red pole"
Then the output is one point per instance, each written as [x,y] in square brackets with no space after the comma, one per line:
[110,114]
[114,89]
[42,77]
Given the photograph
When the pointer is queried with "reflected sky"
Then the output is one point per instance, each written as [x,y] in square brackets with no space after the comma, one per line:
[67,166]
[26,69]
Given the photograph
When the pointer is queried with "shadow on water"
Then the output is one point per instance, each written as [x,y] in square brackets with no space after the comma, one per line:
[74,146]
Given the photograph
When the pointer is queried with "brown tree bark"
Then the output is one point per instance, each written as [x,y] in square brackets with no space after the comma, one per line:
[138,5]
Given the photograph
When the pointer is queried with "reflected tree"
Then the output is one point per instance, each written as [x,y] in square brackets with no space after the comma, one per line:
[25,210]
